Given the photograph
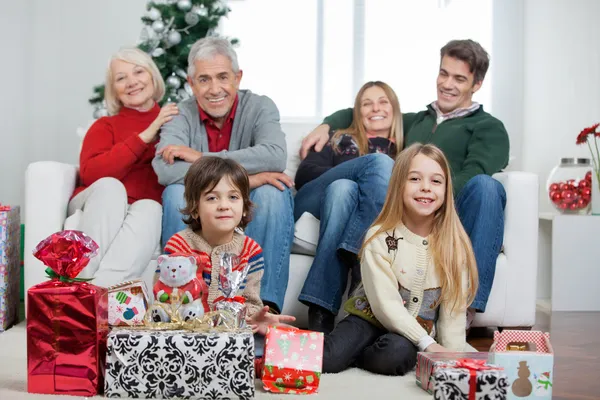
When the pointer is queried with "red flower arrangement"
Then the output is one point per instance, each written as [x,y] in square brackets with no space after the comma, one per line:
[587,136]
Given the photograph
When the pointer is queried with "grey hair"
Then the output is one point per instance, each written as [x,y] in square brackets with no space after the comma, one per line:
[208,47]
[138,57]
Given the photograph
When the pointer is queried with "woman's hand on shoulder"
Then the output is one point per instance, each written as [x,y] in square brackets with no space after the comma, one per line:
[167,112]
[317,138]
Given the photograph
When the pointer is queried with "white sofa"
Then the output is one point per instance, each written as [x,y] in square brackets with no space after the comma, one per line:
[48,186]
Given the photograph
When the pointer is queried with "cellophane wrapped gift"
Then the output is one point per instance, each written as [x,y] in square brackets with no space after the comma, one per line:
[127,303]
[293,360]
[528,359]
[67,321]
[429,362]
[180,364]
[468,379]
[10,274]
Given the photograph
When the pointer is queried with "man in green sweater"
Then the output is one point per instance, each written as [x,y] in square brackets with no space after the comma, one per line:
[475,143]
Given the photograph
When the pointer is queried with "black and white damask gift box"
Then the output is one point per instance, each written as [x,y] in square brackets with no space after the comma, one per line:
[468,379]
[180,364]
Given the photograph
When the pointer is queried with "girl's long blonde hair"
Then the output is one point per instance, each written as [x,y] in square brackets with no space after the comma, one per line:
[450,246]
[357,129]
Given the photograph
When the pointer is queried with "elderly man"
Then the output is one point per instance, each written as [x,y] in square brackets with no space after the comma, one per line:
[475,143]
[222,120]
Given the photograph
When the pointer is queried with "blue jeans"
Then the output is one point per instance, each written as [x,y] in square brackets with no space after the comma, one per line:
[480,206]
[346,199]
[272,227]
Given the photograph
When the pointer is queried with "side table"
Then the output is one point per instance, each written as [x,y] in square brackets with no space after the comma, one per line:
[575,262]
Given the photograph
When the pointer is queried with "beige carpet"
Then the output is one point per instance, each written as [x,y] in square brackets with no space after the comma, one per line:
[351,384]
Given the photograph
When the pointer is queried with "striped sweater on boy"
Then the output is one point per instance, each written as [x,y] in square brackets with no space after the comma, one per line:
[248,251]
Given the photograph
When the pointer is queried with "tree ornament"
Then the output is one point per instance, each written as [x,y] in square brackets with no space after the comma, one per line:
[184,5]
[191,18]
[181,73]
[158,26]
[173,38]
[158,52]
[173,81]
[201,10]
[182,94]
[153,14]
[188,89]
[100,112]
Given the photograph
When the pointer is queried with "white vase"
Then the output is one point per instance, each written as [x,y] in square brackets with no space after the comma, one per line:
[595,195]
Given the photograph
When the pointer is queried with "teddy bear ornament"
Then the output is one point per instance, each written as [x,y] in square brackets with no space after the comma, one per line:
[179,287]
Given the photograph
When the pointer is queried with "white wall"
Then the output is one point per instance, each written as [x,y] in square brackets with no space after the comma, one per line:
[507,64]
[562,82]
[59,50]
[14,69]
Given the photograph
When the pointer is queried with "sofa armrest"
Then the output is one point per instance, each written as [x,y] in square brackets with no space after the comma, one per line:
[48,188]
[520,245]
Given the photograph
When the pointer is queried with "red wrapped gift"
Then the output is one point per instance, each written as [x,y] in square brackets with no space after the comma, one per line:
[67,321]
[293,360]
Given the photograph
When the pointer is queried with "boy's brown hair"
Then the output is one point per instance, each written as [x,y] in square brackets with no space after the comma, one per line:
[203,176]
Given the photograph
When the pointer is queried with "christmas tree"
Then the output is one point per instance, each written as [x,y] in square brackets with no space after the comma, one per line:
[170,29]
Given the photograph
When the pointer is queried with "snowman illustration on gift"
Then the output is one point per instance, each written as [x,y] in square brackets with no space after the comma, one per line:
[178,281]
[522,386]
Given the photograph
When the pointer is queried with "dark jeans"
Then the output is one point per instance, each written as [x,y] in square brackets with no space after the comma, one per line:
[356,342]
[346,199]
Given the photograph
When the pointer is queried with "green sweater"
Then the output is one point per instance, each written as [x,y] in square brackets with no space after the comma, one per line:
[474,144]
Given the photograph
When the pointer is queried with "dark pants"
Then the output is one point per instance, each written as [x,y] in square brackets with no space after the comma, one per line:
[356,342]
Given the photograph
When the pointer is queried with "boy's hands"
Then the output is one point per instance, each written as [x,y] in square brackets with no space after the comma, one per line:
[262,319]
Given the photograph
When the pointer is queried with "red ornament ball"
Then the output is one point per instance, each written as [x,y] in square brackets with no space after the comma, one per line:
[586,193]
[588,176]
[583,184]
[568,196]
[555,196]
[554,187]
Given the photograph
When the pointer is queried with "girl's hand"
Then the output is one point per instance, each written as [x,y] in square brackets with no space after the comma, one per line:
[262,319]
[165,115]
[436,348]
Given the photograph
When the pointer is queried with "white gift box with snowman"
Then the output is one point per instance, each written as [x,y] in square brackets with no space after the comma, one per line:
[528,360]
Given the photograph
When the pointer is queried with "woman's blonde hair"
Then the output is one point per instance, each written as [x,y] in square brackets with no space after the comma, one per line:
[357,129]
[138,57]
[450,246]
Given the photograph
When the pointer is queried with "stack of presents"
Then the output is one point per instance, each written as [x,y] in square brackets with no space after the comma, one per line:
[125,342]
[83,339]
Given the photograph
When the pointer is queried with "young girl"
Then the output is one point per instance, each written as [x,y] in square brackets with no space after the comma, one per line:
[218,206]
[418,271]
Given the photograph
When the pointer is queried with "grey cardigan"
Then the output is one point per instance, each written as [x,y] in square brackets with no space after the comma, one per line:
[257,141]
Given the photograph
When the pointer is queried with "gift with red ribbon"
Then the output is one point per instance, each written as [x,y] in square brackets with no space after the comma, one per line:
[429,362]
[67,320]
[469,379]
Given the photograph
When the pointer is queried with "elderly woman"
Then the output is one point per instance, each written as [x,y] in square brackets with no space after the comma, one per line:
[118,197]
[344,186]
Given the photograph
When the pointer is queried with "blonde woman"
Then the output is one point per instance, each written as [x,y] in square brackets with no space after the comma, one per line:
[118,195]
[418,270]
[344,186]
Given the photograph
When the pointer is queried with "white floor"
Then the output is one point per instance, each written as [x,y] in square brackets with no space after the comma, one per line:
[351,384]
